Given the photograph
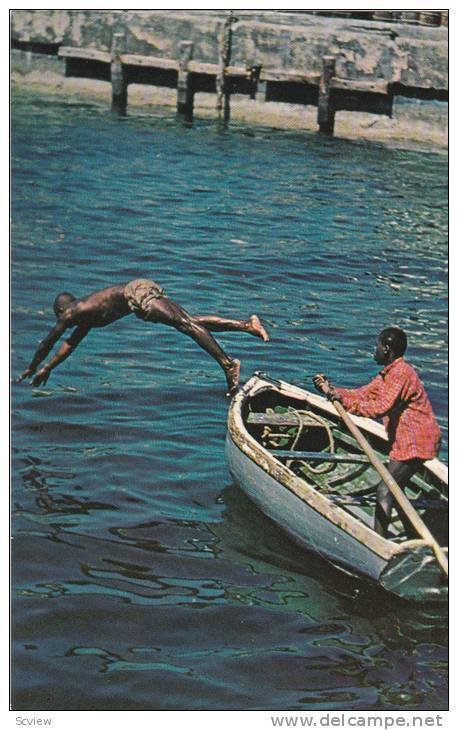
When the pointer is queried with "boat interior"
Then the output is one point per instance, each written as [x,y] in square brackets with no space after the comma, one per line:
[318,449]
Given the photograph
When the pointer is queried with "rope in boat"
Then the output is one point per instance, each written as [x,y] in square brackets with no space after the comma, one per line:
[321,468]
[300,415]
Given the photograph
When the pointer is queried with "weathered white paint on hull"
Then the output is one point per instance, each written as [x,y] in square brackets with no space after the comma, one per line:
[305,525]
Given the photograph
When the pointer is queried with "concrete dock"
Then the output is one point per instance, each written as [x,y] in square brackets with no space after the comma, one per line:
[309,61]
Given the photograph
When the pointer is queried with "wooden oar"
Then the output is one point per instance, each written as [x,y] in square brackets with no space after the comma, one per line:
[392,485]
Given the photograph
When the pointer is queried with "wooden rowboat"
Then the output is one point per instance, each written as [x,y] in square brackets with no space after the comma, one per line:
[291,454]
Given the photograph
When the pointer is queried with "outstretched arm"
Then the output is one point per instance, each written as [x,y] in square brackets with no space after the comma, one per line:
[43,349]
[62,353]
[374,400]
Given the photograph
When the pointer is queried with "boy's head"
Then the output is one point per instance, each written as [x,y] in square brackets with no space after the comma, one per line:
[391,344]
[61,302]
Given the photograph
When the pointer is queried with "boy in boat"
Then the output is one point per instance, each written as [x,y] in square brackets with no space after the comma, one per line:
[147,300]
[398,397]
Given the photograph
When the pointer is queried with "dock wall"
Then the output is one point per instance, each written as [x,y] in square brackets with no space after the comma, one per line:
[338,63]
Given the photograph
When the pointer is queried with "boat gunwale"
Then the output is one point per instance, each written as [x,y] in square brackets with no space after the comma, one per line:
[435,466]
[265,460]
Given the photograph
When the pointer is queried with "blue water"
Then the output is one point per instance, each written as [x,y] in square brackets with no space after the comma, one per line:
[142,578]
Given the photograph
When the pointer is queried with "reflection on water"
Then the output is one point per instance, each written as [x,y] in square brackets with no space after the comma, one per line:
[141,576]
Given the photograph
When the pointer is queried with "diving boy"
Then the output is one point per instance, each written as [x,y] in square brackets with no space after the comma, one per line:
[147,300]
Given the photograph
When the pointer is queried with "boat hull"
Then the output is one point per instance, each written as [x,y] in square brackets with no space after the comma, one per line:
[307,527]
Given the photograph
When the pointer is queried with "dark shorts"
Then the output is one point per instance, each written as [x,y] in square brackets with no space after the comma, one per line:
[401,471]
[140,295]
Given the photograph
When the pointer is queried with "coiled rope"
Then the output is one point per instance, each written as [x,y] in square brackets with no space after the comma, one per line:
[323,468]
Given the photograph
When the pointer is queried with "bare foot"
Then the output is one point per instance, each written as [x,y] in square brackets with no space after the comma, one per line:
[232,376]
[256,328]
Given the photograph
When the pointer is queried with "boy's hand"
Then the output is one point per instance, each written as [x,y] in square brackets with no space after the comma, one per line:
[41,377]
[321,383]
[24,375]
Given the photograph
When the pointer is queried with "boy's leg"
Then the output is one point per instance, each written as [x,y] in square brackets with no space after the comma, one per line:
[252,326]
[401,471]
[165,311]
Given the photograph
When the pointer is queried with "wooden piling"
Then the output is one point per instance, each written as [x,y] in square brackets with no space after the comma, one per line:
[326,112]
[261,91]
[224,57]
[258,88]
[118,75]
[185,91]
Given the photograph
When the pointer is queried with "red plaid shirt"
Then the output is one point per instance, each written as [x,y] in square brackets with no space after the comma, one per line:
[397,395]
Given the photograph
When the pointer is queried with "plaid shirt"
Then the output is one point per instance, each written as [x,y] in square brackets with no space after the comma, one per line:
[397,395]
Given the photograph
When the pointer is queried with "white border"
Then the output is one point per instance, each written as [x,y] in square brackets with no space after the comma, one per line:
[198,720]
